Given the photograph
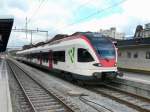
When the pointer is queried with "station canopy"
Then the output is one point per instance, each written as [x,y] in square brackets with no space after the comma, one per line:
[5,30]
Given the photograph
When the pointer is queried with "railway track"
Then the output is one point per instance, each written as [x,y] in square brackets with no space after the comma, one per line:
[134,101]
[140,89]
[37,98]
[19,100]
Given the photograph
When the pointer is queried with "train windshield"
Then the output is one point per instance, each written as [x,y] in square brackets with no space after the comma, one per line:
[103,46]
[107,53]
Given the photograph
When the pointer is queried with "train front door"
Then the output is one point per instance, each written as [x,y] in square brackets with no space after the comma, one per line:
[50,60]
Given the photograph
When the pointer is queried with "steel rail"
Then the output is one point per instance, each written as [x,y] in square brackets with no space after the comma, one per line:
[69,107]
[19,83]
[122,83]
[110,93]
[126,92]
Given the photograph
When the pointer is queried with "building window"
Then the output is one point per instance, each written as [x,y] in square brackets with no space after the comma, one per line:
[59,56]
[84,56]
[135,55]
[148,55]
[128,54]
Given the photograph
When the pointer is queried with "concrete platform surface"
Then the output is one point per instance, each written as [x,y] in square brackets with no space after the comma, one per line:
[5,100]
[137,77]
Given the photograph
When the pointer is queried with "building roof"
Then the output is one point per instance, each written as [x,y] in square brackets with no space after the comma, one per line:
[5,29]
[139,42]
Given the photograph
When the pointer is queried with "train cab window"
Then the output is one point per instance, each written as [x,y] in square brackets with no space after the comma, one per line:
[84,55]
[147,55]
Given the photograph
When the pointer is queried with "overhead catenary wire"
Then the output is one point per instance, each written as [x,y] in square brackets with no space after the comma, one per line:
[99,11]
[93,14]
[78,21]
[82,5]
[36,11]
[28,20]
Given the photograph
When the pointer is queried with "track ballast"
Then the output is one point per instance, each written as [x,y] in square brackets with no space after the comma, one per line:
[136,102]
[37,98]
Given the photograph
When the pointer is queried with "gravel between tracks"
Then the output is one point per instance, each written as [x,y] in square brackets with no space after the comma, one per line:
[72,92]
[15,93]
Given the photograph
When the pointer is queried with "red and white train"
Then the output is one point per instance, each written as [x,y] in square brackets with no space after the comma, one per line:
[84,55]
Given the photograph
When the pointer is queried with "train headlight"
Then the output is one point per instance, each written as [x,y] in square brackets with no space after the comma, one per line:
[97,64]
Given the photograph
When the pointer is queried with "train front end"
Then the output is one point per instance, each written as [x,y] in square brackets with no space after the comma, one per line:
[106,53]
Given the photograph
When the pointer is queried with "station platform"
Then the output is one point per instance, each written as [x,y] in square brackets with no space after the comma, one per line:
[137,77]
[5,100]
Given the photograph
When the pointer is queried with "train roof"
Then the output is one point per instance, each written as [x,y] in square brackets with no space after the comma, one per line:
[61,37]
[96,34]
[58,37]
[139,42]
[5,30]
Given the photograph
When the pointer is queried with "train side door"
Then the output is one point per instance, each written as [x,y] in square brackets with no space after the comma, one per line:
[50,60]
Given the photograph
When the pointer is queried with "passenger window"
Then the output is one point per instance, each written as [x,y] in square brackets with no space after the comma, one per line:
[43,57]
[84,55]
[135,55]
[129,54]
[46,60]
[59,56]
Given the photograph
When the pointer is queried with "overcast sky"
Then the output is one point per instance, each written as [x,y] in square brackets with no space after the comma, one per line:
[69,16]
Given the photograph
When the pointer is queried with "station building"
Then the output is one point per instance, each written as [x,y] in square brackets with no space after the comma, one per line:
[146,31]
[112,32]
[134,54]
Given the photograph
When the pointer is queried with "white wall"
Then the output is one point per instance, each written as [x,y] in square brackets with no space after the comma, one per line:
[140,63]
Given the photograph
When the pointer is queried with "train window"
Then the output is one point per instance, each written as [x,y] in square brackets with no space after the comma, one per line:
[45,57]
[33,56]
[84,55]
[147,55]
[135,55]
[38,58]
[59,56]
[28,56]
[47,60]
[129,54]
